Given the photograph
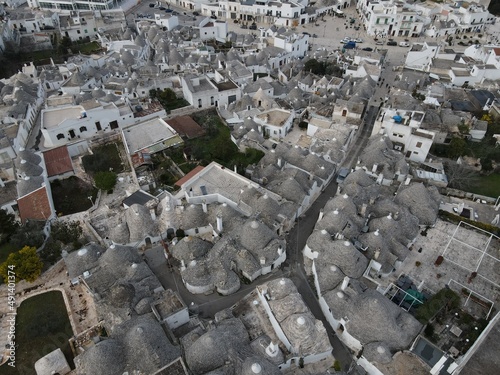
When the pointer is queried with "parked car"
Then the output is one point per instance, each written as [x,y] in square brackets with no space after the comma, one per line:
[243,26]
[392,43]
[236,21]
[214,17]
[369,49]
[345,40]
[151,5]
[162,8]
[253,26]
[379,43]
[169,11]
[404,44]
[359,40]
[350,45]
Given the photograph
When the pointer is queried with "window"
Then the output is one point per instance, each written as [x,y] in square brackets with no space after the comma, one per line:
[419,144]
[83,129]
[78,31]
[60,136]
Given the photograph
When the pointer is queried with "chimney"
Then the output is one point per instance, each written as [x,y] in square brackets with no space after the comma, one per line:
[204,205]
[377,254]
[153,214]
[219,223]
[374,168]
[183,265]
[272,350]
[279,162]
[262,261]
[280,250]
[363,209]
[345,283]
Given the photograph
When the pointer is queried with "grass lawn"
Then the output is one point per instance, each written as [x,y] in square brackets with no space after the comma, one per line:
[216,146]
[5,250]
[42,326]
[487,185]
[111,154]
[71,195]
[86,48]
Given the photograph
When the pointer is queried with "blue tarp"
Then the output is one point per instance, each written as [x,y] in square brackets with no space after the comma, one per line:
[397,118]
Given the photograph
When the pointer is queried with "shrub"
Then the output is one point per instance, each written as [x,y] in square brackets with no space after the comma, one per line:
[445,298]
[337,366]
[105,180]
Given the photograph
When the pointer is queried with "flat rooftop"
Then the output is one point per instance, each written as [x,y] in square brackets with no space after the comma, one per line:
[146,134]
[169,304]
[276,117]
[216,179]
[53,117]
[465,250]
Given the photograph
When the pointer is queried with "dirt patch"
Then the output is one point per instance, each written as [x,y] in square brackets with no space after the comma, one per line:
[71,195]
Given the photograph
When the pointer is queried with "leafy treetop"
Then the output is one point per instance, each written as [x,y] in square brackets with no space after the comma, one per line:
[26,264]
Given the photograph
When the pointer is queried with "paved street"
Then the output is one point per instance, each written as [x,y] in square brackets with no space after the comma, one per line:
[329,33]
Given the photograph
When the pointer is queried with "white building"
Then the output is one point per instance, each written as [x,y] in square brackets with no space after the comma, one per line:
[420,55]
[66,5]
[65,124]
[403,129]
[276,123]
[388,19]
[290,13]
[203,92]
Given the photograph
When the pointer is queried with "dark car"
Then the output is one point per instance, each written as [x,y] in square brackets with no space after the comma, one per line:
[196,14]
[253,27]
[151,5]
[213,17]
[162,8]
[392,43]
[169,11]
[244,26]
[236,21]
[369,49]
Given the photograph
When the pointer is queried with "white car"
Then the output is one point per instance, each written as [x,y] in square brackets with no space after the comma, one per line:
[345,40]
[359,40]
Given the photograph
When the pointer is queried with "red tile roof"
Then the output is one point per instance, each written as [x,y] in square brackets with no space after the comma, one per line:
[497,51]
[186,127]
[34,206]
[57,161]
[191,174]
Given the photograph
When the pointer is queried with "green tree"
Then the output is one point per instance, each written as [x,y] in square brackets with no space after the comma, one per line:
[105,180]
[64,44]
[51,252]
[26,264]
[456,148]
[30,234]
[459,176]
[486,164]
[8,225]
[66,232]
